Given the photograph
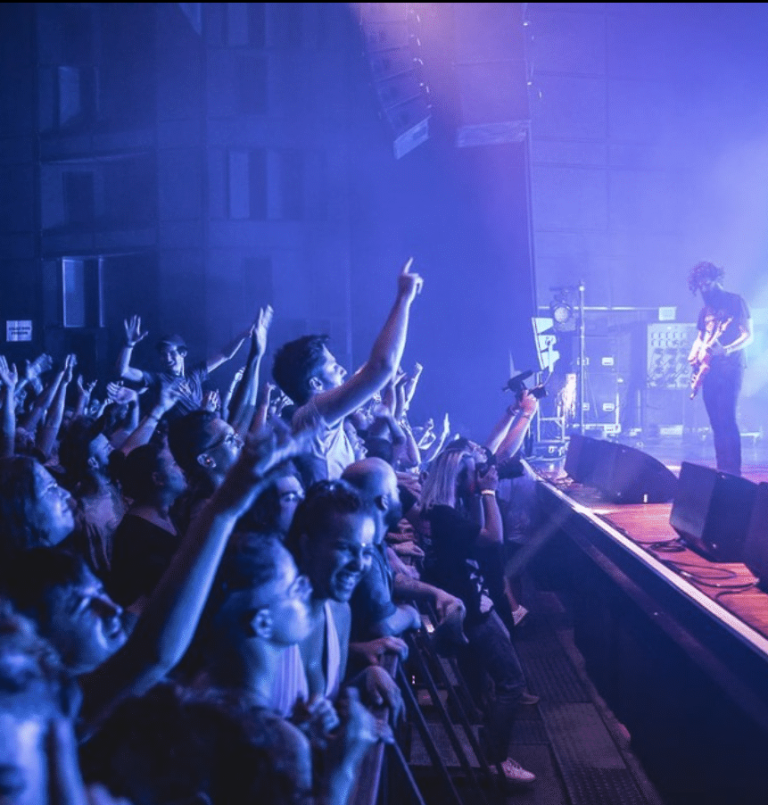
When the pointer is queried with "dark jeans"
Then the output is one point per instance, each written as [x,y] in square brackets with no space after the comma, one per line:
[490,651]
[720,392]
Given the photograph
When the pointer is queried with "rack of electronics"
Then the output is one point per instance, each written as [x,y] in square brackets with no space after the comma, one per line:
[611,371]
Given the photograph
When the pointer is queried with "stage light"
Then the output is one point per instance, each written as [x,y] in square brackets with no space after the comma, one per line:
[563,316]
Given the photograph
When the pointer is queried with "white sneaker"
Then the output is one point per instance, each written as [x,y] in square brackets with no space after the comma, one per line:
[518,614]
[514,772]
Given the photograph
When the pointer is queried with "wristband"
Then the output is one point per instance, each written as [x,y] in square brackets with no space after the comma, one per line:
[488,492]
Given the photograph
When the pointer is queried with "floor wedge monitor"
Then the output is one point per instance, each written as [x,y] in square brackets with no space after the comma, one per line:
[756,543]
[623,474]
[711,512]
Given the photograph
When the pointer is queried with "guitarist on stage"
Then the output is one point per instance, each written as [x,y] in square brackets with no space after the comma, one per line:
[717,359]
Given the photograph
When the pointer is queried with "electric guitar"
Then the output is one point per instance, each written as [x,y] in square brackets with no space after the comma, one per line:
[704,359]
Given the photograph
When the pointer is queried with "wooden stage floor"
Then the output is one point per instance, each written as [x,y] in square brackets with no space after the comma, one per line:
[729,584]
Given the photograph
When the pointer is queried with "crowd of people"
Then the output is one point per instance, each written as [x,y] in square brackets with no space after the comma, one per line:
[197,588]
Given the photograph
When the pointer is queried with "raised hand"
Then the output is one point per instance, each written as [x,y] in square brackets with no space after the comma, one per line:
[121,394]
[211,401]
[86,389]
[170,392]
[133,332]
[490,480]
[260,329]
[34,369]
[69,367]
[9,375]
[381,411]
[409,284]
[271,445]
[266,391]
[528,404]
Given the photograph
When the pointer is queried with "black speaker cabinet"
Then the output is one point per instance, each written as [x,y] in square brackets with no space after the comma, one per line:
[623,474]
[711,512]
[756,543]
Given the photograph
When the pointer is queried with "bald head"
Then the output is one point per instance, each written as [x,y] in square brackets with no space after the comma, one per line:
[376,481]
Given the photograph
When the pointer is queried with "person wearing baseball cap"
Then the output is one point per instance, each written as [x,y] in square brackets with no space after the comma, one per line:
[172,350]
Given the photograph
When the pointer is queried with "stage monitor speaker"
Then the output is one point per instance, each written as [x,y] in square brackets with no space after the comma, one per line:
[623,474]
[580,458]
[711,512]
[756,543]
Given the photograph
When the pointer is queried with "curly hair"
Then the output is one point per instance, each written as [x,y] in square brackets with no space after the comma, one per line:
[296,363]
[702,272]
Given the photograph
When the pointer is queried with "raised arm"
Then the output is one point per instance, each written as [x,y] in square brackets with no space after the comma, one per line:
[409,386]
[408,454]
[384,359]
[169,394]
[133,335]
[430,453]
[243,405]
[522,414]
[42,402]
[229,351]
[32,371]
[384,422]
[263,403]
[491,530]
[48,434]
[9,377]
[84,392]
[501,427]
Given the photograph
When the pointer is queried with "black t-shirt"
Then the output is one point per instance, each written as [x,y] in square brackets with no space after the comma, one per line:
[141,553]
[451,560]
[191,398]
[372,599]
[716,312]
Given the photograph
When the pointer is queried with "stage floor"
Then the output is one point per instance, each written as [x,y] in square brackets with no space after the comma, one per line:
[729,585]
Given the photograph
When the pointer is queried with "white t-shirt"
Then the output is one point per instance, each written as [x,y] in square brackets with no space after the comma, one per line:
[330,444]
